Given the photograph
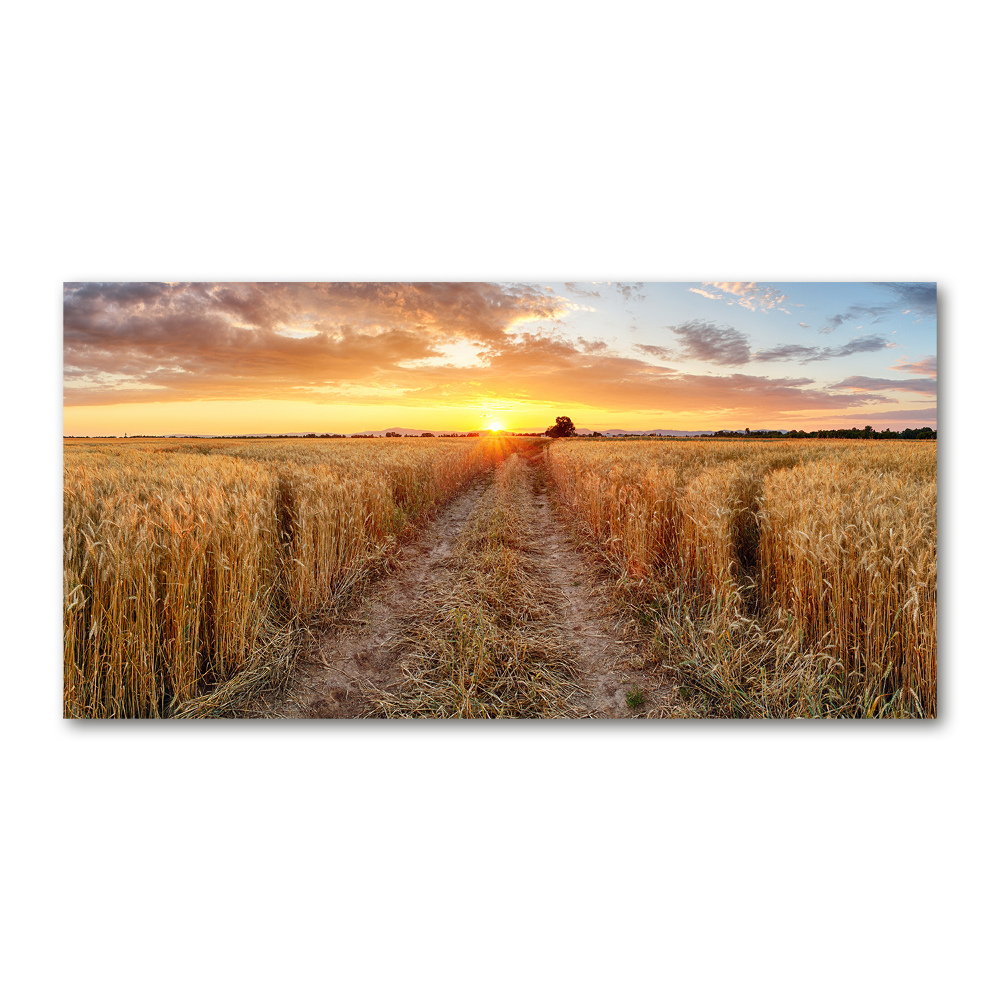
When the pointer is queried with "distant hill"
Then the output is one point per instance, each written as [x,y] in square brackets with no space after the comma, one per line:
[658,430]
[669,433]
[400,430]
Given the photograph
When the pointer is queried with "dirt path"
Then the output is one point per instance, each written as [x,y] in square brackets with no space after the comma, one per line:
[343,671]
[339,666]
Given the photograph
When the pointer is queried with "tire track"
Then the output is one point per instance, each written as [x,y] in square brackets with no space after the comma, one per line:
[611,662]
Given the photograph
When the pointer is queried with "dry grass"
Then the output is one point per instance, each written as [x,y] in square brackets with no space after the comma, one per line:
[191,569]
[487,643]
[779,578]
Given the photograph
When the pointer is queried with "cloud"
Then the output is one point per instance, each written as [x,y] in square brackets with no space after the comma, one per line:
[656,351]
[862,383]
[919,298]
[804,354]
[748,294]
[577,290]
[707,342]
[805,326]
[630,290]
[927,365]
[834,321]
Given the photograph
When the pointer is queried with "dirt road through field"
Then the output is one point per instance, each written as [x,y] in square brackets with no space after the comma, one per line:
[579,656]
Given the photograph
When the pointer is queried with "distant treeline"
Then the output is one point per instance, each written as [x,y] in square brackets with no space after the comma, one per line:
[867,433]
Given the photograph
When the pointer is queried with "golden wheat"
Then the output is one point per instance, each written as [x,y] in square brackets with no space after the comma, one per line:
[183,561]
[835,540]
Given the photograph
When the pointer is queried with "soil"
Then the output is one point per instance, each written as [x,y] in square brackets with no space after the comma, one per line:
[342,668]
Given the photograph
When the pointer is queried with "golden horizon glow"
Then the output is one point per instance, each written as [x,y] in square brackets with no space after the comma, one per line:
[269,416]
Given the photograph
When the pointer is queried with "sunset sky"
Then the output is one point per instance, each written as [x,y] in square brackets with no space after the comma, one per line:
[234,358]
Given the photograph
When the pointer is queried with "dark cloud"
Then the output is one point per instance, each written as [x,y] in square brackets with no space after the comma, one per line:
[707,342]
[918,297]
[928,386]
[592,346]
[803,354]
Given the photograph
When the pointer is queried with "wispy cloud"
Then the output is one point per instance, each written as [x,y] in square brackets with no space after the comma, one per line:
[630,290]
[748,294]
[706,293]
[805,354]
[927,365]
[918,298]
[835,321]
[862,383]
[575,288]
[656,351]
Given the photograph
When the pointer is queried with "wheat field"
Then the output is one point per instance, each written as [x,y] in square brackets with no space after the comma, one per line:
[777,578]
[785,577]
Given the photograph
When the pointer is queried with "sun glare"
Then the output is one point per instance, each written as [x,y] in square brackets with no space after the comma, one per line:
[494,425]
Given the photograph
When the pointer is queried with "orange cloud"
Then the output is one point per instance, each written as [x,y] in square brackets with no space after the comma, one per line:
[927,365]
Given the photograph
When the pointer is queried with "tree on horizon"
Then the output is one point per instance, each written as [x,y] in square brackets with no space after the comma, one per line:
[563,427]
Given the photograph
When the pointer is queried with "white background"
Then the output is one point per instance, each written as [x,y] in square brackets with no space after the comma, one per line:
[555,141]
